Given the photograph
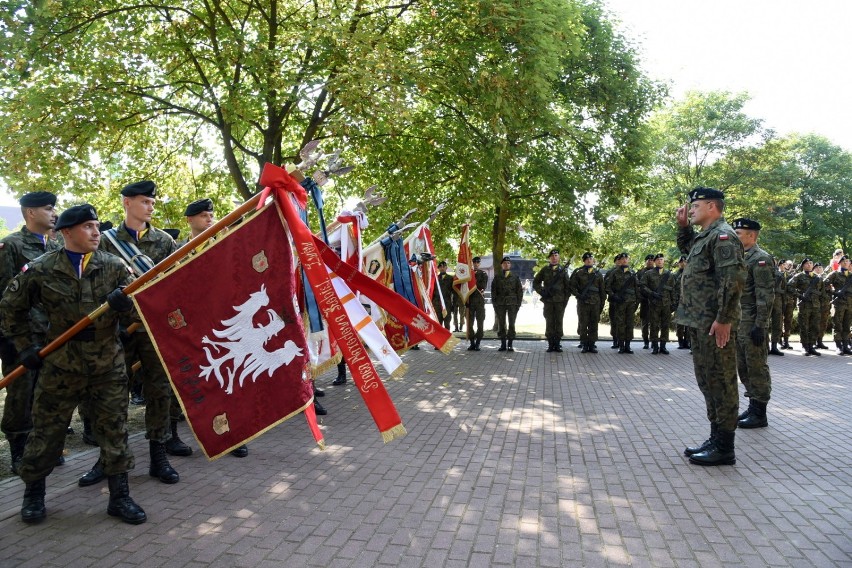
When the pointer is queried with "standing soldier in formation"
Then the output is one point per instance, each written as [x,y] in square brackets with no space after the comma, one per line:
[643,302]
[551,283]
[16,250]
[680,330]
[839,283]
[825,306]
[710,307]
[756,303]
[777,317]
[71,283]
[658,289]
[507,295]
[789,302]
[621,288]
[476,306]
[142,246]
[587,285]
[807,288]
[442,296]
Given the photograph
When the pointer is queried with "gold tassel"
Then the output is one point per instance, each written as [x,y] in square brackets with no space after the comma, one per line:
[321,444]
[399,371]
[397,431]
[450,345]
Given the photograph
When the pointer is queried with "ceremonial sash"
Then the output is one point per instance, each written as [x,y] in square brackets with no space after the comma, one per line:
[138,262]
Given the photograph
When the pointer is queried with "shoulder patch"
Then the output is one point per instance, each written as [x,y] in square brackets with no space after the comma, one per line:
[26,266]
[761,263]
[2,245]
[14,285]
[723,237]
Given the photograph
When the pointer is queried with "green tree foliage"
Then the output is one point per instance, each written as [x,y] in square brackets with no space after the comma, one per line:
[511,113]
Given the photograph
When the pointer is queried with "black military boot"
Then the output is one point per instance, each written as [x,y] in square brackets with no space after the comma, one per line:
[17,443]
[786,344]
[502,345]
[476,347]
[557,345]
[821,345]
[681,344]
[160,466]
[627,348]
[592,347]
[341,374]
[319,409]
[88,435]
[472,345]
[33,509]
[704,446]
[509,346]
[847,349]
[121,505]
[813,350]
[240,452]
[93,476]
[720,452]
[663,350]
[585,347]
[174,445]
[774,350]
[840,347]
[646,345]
[743,415]
[621,346]
[317,391]
[549,346]
[756,417]
[655,348]
[807,349]
[616,344]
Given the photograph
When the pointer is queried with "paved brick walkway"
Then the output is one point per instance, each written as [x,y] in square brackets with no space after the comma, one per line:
[512,459]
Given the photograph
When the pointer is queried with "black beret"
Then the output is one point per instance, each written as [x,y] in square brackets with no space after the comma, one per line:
[198,206]
[145,187]
[621,255]
[442,263]
[105,226]
[588,254]
[37,199]
[76,215]
[842,258]
[659,255]
[817,264]
[649,257]
[173,233]
[477,259]
[804,260]
[705,193]
[552,252]
[745,223]
[506,259]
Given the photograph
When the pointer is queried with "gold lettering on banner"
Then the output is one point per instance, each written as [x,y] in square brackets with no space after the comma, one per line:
[309,256]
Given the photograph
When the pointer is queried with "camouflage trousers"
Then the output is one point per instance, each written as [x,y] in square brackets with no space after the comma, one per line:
[475,315]
[809,318]
[57,393]
[589,315]
[643,319]
[554,314]
[716,375]
[752,365]
[17,410]
[506,316]
[824,318]
[444,320]
[155,386]
[776,320]
[789,306]
[842,321]
[621,319]
[659,319]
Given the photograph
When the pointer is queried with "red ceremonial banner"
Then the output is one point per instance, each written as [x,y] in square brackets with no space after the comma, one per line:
[229,334]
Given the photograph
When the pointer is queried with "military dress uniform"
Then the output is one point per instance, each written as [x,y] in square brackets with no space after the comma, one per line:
[587,285]
[16,251]
[807,289]
[476,308]
[777,318]
[839,283]
[551,283]
[507,295]
[88,367]
[710,292]
[621,288]
[756,302]
[444,287]
[658,287]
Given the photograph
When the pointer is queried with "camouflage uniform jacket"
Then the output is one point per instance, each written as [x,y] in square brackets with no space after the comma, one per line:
[16,250]
[807,290]
[506,290]
[155,244]
[713,278]
[587,284]
[780,284]
[651,282]
[52,281]
[445,283]
[677,277]
[836,282]
[544,284]
[621,284]
[759,292]
[825,299]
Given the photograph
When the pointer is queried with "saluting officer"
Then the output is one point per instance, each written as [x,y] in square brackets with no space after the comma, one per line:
[70,283]
[507,295]
[756,303]
[551,283]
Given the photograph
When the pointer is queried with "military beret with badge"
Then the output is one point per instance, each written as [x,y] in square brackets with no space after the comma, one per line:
[145,187]
[76,215]
[198,206]
[700,193]
[587,255]
[745,223]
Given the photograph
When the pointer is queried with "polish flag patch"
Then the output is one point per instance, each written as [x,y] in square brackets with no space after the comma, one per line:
[723,237]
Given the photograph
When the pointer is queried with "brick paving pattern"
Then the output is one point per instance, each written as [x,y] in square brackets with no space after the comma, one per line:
[511,459]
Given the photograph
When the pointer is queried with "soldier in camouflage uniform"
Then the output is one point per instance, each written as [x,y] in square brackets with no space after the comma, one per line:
[681,330]
[16,250]
[839,283]
[135,231]
[643,302]
[806,287]
[658,288]
[777,317]
[587,285]
[621,288]
[507,295]
[443,291]
[789,302]
[70,283]
[551,283]
[756,303]
[710,307]
[476,306]
[825,306]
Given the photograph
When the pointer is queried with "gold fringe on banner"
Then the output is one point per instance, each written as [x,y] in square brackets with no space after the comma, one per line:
[397,431]
[399,371]
[321,445]
[449,345]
